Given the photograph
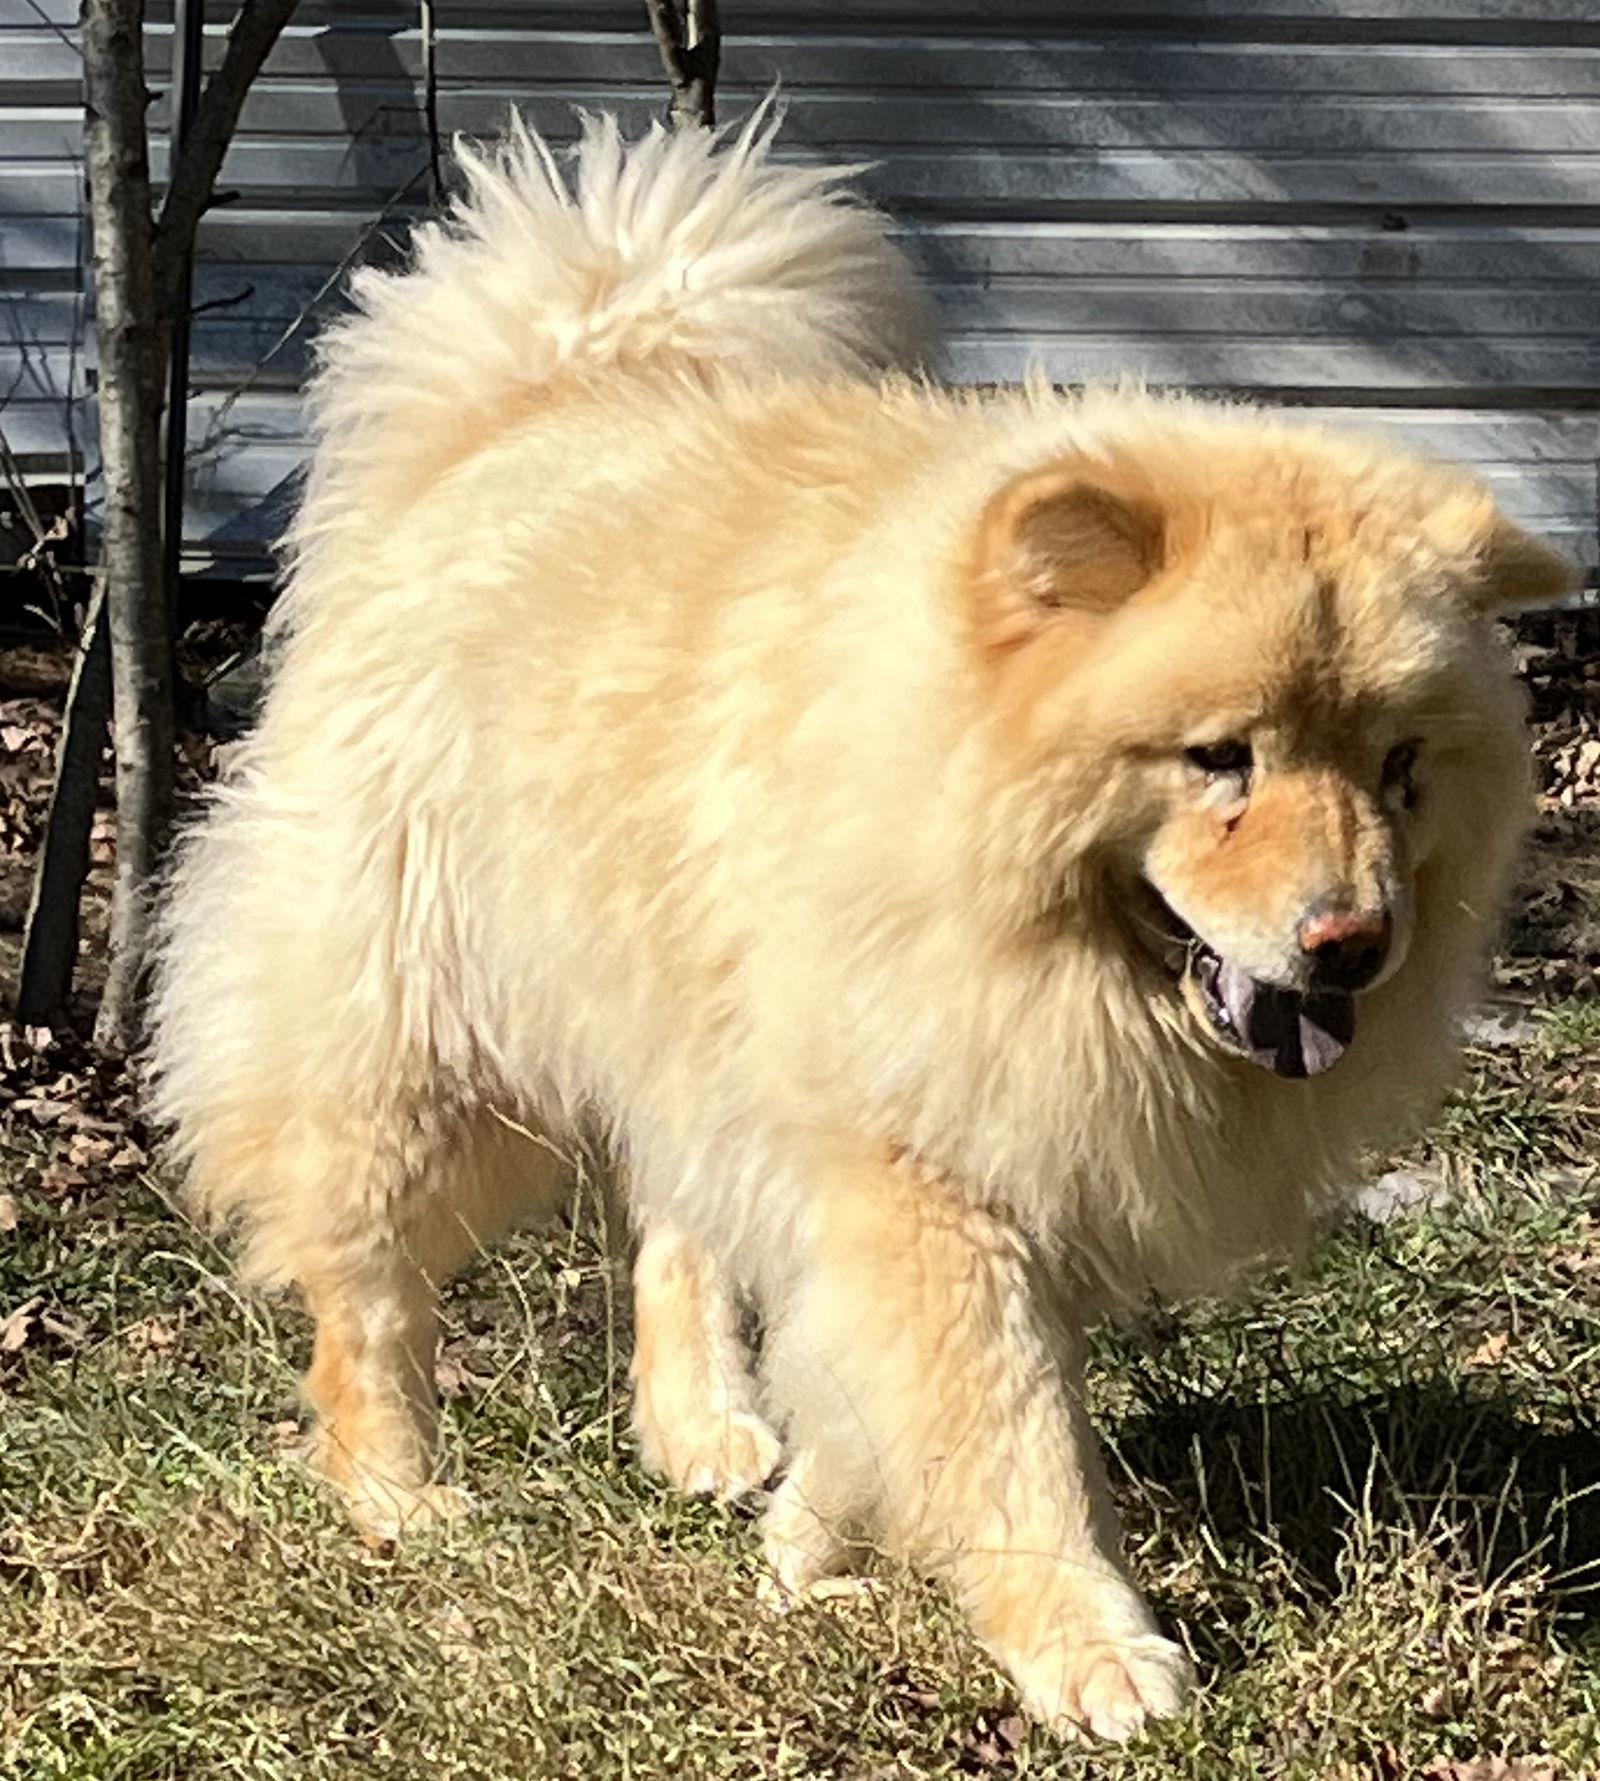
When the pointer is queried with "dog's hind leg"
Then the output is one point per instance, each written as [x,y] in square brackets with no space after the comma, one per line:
[371,1390]
[374,1293]
[932,1376]
[694,1401]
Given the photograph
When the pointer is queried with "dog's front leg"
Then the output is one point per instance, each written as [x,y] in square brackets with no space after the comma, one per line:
[694,1407]
[928,1364]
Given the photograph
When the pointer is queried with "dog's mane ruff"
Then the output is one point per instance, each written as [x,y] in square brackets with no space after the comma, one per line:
[687,250]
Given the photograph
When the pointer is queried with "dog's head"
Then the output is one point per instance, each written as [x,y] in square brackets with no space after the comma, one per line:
[1254,666]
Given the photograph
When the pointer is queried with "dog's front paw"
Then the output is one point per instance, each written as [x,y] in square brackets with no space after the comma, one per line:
[385,1502]
[1111,1688]
[803,1548]
[383,1510]
[719,1453]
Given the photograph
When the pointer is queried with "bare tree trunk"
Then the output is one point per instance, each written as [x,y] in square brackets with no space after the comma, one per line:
[689,36]
[140,279]
[50,949]
[131,359]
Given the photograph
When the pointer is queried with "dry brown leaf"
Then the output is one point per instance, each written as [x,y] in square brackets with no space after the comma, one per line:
[18,1325]
[65,1328]
[9,1213]
[149,1334]
[88,1150]
[1492,1768]
[58,1177]
[1490,1351]
[1012,1730]
[455,1379]
[456,1626]
[1436,1702]
[42,1109]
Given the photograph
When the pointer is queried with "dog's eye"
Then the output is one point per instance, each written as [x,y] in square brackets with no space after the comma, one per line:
[1398,763]
[1217,758]
[1398,766]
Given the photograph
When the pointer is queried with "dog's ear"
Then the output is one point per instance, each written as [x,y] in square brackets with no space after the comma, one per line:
[1064,539]
[1502,567]
[1516,569]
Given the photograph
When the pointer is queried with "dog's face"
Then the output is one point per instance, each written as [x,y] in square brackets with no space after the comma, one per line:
[1266,693]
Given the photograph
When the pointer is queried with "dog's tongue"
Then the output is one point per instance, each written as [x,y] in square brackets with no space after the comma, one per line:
[1283,1031]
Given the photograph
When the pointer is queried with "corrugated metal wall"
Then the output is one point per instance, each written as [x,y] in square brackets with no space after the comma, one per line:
[1385,209]
[42,306]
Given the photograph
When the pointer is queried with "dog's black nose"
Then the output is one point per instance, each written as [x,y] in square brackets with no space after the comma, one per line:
[1345,948]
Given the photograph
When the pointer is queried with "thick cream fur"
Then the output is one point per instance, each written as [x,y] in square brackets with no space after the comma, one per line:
[637,754]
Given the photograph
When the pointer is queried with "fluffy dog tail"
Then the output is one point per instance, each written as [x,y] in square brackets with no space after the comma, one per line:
[683,248]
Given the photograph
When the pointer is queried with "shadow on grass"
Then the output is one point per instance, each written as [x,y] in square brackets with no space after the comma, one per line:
[1305,1476]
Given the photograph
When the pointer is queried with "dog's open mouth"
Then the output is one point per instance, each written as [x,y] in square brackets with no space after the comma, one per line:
[1286,1031]
[1293,1033]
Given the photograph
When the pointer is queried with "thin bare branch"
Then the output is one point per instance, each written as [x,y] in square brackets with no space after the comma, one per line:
[16,486]
[40,557]
[430,98]
[307,311]
[50,946]
[689,36]
[194,171]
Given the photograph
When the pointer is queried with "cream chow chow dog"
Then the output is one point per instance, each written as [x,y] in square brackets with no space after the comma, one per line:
[979,857]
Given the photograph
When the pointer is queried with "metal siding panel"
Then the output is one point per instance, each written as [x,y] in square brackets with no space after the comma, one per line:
[235,353]
[1492,17]
[39,67]
[43,347]
[935,117]
[386,159]
[248,453]
[1259,336]
[1344,365]
[1385,201]
[31,15]
[1066,68]
[42,437]
[35,189]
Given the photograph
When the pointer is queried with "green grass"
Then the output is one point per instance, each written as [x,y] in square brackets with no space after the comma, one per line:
[1367,1495]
